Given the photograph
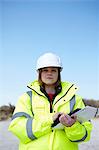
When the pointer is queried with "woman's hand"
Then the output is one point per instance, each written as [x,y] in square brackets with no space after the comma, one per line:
[55,116]
[67,120]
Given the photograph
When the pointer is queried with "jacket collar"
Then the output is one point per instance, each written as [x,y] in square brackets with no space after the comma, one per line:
[35,86]
[65,86]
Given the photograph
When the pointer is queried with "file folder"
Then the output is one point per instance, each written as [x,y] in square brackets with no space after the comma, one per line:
[83,115]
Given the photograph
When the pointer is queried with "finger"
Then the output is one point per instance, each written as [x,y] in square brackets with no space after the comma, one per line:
[68,117]
[61,118]
[74,117]
[64,119]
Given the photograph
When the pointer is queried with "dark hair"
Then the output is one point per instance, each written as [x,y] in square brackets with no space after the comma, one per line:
[56,84]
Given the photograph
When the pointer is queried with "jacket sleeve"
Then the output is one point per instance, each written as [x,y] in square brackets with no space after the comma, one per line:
[27,126]
[79,132]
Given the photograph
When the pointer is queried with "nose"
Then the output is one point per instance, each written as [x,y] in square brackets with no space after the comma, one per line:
[49,71]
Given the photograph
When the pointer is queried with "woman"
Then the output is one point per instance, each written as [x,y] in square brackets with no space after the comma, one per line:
[39,112]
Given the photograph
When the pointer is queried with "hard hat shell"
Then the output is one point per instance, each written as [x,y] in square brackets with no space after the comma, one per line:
[48,60]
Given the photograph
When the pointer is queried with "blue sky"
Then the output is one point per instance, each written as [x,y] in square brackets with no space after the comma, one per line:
[31,28]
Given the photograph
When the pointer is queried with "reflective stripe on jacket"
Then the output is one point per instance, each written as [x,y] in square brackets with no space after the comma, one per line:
[32,120]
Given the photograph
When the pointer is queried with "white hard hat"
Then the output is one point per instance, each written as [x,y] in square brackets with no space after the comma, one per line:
[48,60]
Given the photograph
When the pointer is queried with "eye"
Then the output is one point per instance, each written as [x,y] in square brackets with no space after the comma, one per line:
[53,70]
[44,70]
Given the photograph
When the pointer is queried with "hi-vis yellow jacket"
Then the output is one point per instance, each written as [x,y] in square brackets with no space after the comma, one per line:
[32,120]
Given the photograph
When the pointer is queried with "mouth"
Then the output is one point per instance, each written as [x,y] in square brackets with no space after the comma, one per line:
[49,78]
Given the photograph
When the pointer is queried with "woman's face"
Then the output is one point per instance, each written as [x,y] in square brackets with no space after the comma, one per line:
[49,75]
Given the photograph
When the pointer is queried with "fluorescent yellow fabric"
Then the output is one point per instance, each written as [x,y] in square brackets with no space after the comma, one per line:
[45,137]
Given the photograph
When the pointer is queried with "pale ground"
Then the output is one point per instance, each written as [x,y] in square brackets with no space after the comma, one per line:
[10,142]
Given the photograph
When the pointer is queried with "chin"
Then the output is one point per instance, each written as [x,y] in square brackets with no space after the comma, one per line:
[49,83]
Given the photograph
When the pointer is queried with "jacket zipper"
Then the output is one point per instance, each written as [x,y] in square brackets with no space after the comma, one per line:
[63,95]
